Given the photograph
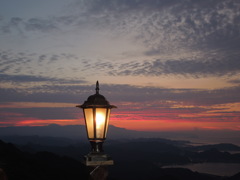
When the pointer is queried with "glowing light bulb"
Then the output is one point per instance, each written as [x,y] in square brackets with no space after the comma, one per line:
[100,122]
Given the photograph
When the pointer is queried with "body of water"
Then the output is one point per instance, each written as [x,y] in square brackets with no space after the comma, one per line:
[220,169]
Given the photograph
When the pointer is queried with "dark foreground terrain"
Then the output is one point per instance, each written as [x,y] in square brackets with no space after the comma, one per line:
[55,152]
[140,159]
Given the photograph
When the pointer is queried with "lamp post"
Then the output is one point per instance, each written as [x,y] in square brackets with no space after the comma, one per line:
[96,112]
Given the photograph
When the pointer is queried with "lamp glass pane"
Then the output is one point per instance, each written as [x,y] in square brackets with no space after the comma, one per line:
[107,121]
[89,122]
[100,122]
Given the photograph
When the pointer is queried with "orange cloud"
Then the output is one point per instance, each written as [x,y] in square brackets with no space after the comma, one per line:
[168,115]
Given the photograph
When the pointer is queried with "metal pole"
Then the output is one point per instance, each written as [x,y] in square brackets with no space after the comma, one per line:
[98,173]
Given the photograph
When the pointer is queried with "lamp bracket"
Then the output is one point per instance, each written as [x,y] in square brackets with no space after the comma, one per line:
[97,159]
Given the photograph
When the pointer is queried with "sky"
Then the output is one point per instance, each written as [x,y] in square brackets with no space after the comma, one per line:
[168,65]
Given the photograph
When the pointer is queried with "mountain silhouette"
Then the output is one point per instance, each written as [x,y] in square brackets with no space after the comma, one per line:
[48,151]
[42,165]
[115,133]
[133,160]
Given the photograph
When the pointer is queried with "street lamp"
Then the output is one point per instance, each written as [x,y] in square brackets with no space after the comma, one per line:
[96,112]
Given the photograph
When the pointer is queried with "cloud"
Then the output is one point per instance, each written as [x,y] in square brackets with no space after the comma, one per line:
[28,79]
[136,102]
[159,24]
[163,26]
[43,25]
[23,78]
[39,113]
[75,93]
[226,66]
[17,24]
[14,23]
[235,81]
[186,38]
[31,65]
[142,103]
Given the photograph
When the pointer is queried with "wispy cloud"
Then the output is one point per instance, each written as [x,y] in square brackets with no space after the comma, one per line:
[17,24]
[164,26]
[207,65]
[138,104]
[174,28]
[77,93]
[29,67]
[23,78]
[160,25]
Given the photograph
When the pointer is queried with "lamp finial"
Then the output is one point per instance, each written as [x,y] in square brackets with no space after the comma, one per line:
[97,87]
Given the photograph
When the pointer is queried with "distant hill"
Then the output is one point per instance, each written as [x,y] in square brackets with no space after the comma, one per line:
[71,133]
[68,131]
[53,130]
[220,147]
[79,132]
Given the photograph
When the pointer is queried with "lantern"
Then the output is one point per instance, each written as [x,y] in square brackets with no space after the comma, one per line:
[96,112]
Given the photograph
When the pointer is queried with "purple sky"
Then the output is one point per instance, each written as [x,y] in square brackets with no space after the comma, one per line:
[166,64]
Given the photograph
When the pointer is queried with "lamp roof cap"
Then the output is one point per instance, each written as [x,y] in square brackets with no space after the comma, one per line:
[96,100]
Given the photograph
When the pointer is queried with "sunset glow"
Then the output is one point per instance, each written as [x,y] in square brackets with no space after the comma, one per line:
[169,125]
[37,122]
